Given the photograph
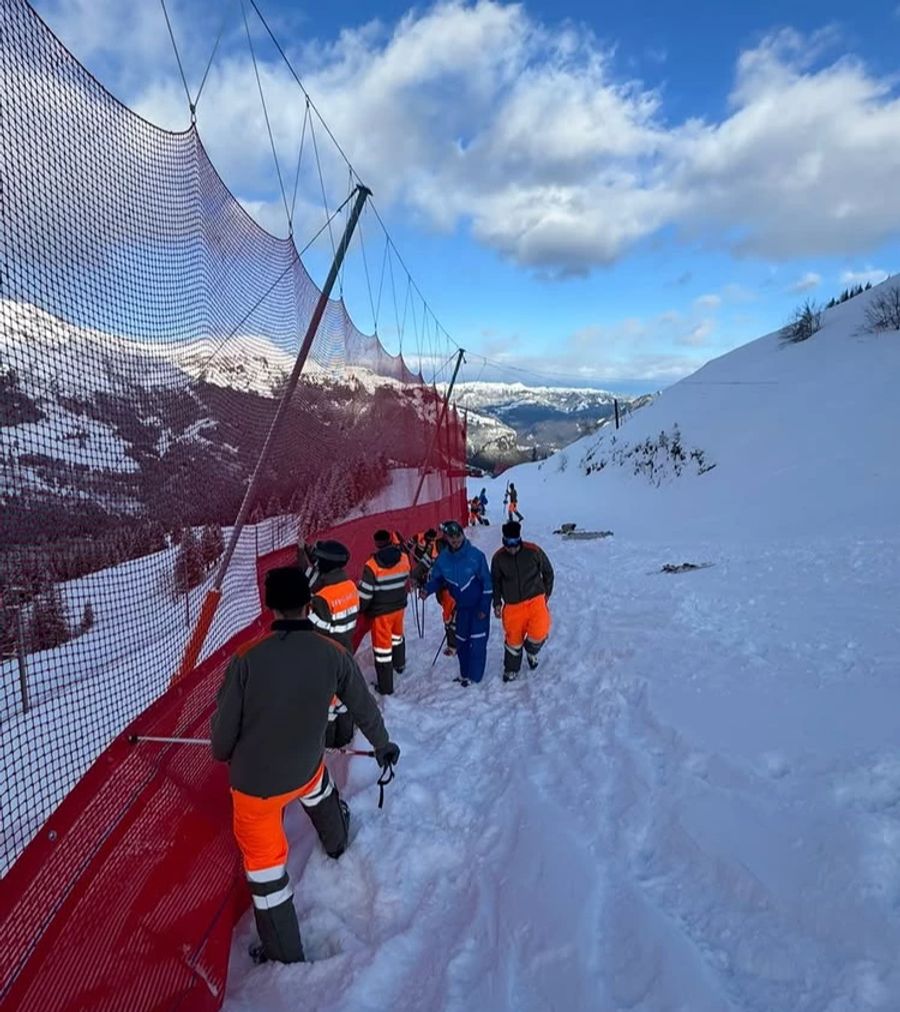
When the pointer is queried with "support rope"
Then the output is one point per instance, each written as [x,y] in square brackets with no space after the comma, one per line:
[262,99]
[187,90]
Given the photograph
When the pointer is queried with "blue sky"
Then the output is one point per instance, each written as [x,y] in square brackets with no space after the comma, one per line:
[600,193]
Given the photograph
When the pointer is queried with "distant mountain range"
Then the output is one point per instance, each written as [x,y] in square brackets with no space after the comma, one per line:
[512,422]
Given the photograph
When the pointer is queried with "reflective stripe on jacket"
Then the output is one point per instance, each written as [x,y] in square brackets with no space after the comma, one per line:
[384,583]
[335,606]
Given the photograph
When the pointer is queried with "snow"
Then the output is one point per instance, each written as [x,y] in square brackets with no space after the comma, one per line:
[501,396]
[694,802]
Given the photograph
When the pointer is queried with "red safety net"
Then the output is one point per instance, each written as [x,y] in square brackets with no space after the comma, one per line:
[147,326]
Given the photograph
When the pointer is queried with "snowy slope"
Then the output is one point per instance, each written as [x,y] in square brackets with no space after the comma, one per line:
[694,803]
[802,436]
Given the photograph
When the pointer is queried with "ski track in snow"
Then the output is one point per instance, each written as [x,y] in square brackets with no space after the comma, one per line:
[568,842]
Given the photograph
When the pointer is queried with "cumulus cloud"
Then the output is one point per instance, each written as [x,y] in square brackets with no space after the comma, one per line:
[807,283]
[711,301]
[480,116]
[869,275]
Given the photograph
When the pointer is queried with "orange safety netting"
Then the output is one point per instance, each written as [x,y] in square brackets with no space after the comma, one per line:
[147,326]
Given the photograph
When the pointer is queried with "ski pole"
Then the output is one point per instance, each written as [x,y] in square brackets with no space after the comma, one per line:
[443,641]
[134,739]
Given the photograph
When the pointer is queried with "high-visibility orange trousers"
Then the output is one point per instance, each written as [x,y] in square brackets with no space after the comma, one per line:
[389,648]
[526,623]
[448,605]
[258,826]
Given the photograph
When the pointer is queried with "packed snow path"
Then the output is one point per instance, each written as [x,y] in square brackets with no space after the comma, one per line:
[693,804]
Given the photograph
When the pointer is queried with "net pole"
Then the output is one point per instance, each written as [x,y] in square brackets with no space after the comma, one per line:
[440,422]
[214,594]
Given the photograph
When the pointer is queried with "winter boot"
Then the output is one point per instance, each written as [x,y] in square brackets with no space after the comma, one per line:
[279,934]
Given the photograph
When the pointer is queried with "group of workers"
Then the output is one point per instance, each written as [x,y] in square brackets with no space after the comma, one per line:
[297,690]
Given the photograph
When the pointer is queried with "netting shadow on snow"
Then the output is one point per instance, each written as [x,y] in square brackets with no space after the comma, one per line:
[147,327]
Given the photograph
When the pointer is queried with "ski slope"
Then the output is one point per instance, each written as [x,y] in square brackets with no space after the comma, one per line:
[694,803]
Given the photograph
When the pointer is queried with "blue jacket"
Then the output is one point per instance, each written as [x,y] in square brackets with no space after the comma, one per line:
[483,499]
[466,575]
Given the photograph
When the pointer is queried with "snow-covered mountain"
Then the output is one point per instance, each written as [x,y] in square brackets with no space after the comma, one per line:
[543,418]
[505,397]
[125,429]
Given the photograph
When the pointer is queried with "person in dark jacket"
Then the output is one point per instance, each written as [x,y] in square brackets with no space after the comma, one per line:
[463,571]
[511,501]
[383,593]
[522,578]
[269,726]
[333,611]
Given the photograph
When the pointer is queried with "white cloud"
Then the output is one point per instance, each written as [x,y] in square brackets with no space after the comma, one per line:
[655,351]
[708,301]
[478,115]
[698,336]
[869,275]
[807,283]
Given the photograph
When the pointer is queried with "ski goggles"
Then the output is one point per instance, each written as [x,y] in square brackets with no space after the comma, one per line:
[512,542]
[452,529]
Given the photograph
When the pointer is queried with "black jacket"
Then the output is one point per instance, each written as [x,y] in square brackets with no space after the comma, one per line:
[272,709]
[385,581]
[519,576]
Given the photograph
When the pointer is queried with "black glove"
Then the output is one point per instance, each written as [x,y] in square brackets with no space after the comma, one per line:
[387,755]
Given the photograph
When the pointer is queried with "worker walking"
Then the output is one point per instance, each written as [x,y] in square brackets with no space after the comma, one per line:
[333,611]
[522,580]
[382,596]
[269,726]
[425,549]
[511,501]
[463,571]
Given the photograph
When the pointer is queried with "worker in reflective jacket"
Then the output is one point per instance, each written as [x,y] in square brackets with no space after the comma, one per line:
[522,578]
[463,571]
[425,549]
[382,596]
[333,611]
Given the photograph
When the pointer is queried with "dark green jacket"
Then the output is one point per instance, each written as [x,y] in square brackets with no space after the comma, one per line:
[272,709]
[521,575]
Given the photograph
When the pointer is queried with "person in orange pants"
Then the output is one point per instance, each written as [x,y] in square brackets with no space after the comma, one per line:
[522,579]
[383,592]
[269,726]
[426,548]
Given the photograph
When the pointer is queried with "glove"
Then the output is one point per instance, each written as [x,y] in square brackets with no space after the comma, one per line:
[498,609]
[387,755]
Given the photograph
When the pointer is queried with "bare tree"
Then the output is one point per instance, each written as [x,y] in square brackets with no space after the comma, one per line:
[806,321]
[883,312]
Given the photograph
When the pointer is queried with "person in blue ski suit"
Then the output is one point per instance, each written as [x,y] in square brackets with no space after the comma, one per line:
[464,571]
[483,499]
